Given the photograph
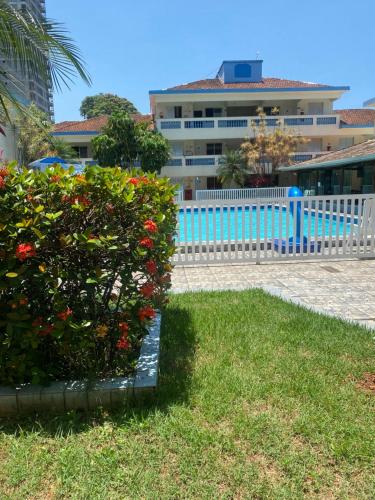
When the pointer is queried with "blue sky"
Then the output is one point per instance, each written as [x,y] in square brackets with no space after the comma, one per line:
[133,46]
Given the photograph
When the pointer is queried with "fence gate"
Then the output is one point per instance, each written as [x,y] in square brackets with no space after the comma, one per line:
[277,229]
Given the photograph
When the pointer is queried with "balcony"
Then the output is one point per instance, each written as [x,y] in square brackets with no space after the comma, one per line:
[206,165]
[240,127]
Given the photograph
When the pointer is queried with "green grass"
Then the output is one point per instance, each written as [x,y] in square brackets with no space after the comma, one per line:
[257,399]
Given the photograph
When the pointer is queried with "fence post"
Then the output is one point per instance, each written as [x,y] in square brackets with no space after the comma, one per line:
[258,235]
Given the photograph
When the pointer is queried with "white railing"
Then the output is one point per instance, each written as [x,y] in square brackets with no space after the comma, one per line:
[316,227]
[244,122]
[194,161]
[241,194]
[179,196]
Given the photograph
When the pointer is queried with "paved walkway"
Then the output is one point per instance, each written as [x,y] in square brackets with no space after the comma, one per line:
[345,289]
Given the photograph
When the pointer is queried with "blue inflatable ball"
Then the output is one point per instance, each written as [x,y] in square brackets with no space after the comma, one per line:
[294,192]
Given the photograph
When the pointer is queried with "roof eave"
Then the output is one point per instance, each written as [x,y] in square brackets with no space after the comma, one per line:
[249,90]
[327,164]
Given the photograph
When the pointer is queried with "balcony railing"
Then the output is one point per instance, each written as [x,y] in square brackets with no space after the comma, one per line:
[247,121]
[194,161]
[214,160]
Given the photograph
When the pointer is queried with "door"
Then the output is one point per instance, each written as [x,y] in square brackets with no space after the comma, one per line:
[315,108]
[188,194]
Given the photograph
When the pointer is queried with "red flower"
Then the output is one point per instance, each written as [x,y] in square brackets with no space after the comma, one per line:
[37,321]
[55,178]
[2,183]
[25,251]
[74,200]
[64,315]
[150,226]
[134,181]
[29,197]
[124,328]
[4,172]
[46,330]
[123,343]
[147,290]
[151,267]
[146,242]
[146,312]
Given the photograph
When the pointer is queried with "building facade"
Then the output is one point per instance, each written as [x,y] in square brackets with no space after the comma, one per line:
[348,171]
[25,85]
[203,119]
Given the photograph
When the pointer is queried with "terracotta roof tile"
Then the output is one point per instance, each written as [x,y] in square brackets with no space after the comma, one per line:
[216,83]
[363,149]
[357,116]
[92,124]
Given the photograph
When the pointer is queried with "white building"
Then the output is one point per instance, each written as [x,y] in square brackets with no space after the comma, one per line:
[204,118]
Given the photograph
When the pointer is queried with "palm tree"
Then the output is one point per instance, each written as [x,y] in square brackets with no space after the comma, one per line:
[233,168]
[40,48]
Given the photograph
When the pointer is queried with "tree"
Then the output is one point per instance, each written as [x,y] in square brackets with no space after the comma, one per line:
[35,141]
[123,142]
[40,48]
[233,168]
[105,104]
[272,148]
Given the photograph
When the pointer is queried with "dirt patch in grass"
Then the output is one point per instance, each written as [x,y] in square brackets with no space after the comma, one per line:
[266,467]
[367,383]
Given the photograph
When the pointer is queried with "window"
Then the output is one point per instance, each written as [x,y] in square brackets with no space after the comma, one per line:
[82,151]
[213,183]
[198,114]
[214,149]
[178,111]
[242,71]
[210,112]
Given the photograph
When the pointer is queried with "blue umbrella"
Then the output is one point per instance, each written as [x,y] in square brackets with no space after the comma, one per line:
[43,163]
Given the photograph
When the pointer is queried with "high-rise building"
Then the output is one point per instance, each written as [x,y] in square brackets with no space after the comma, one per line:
[27,86]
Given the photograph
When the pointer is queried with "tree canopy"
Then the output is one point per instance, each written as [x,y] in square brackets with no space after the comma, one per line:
[105,104]
[124,142]
[233,168]
[35,141]
[272,147]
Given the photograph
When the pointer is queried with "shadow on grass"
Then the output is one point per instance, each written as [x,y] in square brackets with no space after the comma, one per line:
[178,340]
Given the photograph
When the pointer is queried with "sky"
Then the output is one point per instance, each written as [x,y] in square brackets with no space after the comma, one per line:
[133,46]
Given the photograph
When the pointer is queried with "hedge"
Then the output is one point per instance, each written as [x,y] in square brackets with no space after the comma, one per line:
[84,263]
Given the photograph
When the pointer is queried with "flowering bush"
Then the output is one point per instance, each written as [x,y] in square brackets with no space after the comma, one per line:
[84,262]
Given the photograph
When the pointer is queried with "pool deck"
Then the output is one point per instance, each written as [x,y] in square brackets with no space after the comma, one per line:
[341,288]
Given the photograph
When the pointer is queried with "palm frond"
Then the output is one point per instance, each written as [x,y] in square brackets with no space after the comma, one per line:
[38,48]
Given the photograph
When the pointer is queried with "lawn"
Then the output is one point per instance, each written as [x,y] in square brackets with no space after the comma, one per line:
[258,398]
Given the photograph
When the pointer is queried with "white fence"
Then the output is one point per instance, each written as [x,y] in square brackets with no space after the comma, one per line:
[179,196]
[241,194]
[314,227]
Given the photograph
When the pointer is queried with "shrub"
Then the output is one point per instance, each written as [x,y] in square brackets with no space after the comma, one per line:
[84,263]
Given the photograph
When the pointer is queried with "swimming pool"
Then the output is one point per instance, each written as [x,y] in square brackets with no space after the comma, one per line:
[207,224]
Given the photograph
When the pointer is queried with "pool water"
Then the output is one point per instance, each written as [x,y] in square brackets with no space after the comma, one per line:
[246,227]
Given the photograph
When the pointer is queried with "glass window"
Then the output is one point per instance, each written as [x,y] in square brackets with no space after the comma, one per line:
[211,112]
[214,149]
[178,111]
[242,71]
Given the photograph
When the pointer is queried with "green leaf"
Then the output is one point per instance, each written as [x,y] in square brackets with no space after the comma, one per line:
[39,209]
[37,232]
[11,275]
[91,281]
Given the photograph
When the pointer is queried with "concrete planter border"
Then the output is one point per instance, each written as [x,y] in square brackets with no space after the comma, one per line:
[62,396]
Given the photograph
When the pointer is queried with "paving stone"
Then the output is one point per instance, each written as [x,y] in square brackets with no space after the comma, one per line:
[345,294]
